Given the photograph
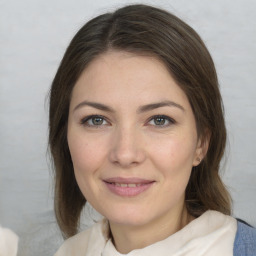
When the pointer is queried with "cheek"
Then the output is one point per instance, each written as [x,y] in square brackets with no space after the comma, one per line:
[79,154]
[175,152]
[174,155]
[174,160]
[86,157]
[84,154]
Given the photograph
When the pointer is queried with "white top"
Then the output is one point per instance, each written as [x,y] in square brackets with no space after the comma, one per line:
[211,234]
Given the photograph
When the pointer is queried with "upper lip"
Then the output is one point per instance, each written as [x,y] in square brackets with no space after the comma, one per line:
[132,180]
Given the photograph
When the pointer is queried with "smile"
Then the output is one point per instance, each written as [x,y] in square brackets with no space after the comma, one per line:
[128,187]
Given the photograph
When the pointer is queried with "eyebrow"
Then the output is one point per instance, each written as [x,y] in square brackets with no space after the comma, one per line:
[161,104]
[141,109]
[94,105]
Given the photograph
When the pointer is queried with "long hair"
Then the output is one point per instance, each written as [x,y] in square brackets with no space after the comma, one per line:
[141,29]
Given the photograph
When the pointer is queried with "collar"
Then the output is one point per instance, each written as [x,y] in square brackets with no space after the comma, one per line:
[211,234]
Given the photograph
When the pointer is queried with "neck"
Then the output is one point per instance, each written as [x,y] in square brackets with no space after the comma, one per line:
[127,238]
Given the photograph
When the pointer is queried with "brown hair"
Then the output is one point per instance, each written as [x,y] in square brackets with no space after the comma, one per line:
[141,29]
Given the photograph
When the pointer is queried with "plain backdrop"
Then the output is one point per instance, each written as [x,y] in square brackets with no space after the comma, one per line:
[33,37]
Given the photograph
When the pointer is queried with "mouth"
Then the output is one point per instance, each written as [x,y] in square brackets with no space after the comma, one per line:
[128,187]
[124,185]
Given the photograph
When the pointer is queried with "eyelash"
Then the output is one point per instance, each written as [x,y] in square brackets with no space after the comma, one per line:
[85,121]
[163,117]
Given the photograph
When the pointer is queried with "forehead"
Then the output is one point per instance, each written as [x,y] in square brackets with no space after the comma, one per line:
[118,75]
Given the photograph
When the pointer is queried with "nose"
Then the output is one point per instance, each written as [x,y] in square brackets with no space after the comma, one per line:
[127,148]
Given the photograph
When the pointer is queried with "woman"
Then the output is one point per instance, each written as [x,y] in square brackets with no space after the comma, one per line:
[137,130]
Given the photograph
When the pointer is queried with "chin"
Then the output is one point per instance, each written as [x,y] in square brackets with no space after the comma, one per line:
[129,221]
[128,217]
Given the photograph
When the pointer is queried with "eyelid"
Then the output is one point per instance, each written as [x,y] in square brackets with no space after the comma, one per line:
[169,119]
[87,118]
[84,121]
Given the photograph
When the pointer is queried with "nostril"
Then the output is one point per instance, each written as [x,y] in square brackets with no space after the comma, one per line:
[126,148]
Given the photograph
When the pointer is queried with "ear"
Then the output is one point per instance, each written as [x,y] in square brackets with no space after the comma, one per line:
[202,147]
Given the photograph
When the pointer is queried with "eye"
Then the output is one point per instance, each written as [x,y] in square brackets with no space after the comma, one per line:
[95,120]
[161,121]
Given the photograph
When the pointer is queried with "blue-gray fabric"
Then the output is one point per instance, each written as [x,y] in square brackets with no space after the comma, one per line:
[245,241]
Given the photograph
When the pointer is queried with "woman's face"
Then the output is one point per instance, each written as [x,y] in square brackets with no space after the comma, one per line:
[132,138]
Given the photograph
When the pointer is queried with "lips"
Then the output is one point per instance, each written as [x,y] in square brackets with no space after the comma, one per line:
[124,185]
[128,187]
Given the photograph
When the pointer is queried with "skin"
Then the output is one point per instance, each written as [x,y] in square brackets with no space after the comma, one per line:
[127,141]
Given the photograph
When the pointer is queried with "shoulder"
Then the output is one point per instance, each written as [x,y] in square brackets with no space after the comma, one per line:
[245,240]
[83,242]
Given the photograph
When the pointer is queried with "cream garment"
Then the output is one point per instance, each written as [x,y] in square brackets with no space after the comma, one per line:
[211,234]
[8,242]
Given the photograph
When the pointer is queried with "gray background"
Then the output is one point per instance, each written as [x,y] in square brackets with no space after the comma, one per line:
[33,37]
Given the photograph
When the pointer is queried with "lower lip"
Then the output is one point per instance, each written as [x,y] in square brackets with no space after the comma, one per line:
[128,191]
